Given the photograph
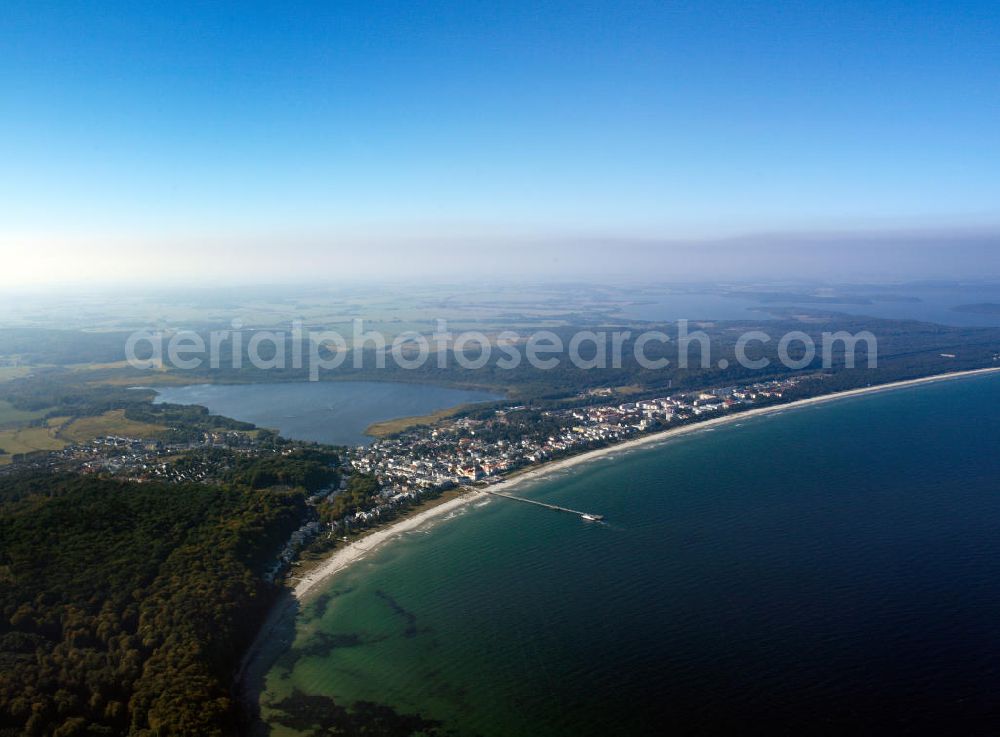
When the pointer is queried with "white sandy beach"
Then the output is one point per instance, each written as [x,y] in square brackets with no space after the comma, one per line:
[344,557]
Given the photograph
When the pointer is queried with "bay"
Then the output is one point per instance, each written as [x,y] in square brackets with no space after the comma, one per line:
[829,569]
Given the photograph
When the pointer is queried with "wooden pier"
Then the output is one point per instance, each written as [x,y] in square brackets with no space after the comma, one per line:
[584,515]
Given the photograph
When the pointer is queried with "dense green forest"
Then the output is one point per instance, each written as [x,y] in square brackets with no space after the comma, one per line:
[359,495]
[126,607]
[310,468]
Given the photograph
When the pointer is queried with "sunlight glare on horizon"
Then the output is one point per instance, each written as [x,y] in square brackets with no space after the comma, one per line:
[188,142]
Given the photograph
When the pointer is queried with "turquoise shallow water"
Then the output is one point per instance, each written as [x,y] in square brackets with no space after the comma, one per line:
[833,569]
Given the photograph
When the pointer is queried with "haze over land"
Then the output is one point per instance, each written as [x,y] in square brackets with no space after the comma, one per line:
[712,287]
[872,257]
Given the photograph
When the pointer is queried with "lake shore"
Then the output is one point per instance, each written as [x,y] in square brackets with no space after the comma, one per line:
[344,557]
[276,631]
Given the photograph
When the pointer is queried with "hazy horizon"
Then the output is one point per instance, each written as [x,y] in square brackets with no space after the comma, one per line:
[186,144]
[820,257]
[285,285]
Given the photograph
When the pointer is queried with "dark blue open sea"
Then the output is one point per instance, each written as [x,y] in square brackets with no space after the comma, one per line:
[827,570]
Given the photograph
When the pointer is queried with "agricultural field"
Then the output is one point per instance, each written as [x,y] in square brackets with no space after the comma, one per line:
[82,429]
[384,428]
[30,439]
[58,432]
[9,373]
[11,417]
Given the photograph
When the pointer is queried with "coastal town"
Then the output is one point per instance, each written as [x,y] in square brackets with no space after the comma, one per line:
[402,469]
[399,471]
[144,459]
[451,452]
[466,450]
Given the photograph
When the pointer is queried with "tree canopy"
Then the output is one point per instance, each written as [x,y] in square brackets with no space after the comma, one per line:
[126,607]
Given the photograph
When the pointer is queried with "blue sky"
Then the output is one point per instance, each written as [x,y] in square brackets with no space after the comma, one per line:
[371,126]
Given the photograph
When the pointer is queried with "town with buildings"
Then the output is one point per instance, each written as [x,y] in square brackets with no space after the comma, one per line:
[466,450]
[145,459]
[416,463]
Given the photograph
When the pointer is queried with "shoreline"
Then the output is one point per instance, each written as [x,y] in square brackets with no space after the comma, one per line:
[248,680]
[344,557]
